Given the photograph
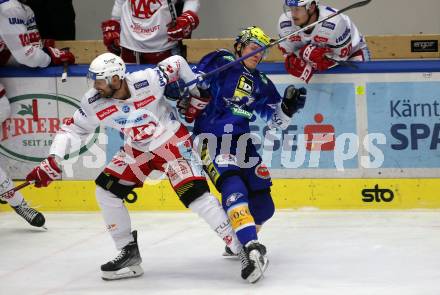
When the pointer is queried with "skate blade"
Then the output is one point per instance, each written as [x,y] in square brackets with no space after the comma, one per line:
[132,271]
[261,262]
[228,255]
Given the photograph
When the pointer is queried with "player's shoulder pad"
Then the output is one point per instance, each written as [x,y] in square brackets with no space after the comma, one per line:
[157,74]
[341,34]
[284,22]
[263,78]
[220,55]
[5,3]
[139,79]
[12,10]
[329,27]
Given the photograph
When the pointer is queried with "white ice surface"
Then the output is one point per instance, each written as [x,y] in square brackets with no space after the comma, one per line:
[312,252]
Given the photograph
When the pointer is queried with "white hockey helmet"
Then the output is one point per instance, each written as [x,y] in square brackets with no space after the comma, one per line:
[299,3]
[105,66]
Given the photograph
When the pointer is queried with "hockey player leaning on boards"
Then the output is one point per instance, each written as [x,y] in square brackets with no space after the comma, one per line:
[144,32]
[237,93]
[154,140]
[20,41]
[316,48]
[15,199]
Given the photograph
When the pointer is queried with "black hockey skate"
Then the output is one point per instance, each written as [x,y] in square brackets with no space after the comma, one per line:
[29,214]
[253,261]
[228,253]
[126,264]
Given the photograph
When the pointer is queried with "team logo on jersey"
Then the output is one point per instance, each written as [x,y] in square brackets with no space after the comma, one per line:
[102,114]
[142,132]
[144,102]
[227,240]
[244,87]
[232,198]
[262,171]
[145,8]
[141,84]
[328,25]
[125,108]
[285,24]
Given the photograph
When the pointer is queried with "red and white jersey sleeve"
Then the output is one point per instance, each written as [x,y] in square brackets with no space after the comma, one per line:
[338,33]
[144,23]
[19,35]
[146,119]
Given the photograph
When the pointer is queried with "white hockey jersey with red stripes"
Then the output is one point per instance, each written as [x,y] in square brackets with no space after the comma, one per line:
[338,33]
[144,23]
[20,41]
[146,119]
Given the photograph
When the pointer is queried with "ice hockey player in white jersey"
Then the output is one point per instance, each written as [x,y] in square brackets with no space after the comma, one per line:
[15,199]
[20,42]
[144,31]
[318,48]
[135,105]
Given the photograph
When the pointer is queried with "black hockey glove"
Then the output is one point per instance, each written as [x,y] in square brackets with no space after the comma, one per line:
[176,91]
[293,100]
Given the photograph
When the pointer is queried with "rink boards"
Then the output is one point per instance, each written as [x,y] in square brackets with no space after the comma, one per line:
[330,194]
[367,139]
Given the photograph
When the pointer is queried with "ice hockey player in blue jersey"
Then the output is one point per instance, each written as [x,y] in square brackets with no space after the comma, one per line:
[222,116]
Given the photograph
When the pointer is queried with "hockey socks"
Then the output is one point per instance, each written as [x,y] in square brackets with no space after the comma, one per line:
[210,210]
[6,184]
[235,203]
[116,217]
[242,223]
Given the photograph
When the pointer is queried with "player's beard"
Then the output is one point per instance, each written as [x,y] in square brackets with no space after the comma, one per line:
[108,92]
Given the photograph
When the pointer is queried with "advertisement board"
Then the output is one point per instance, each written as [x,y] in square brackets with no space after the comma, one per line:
[366,139]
